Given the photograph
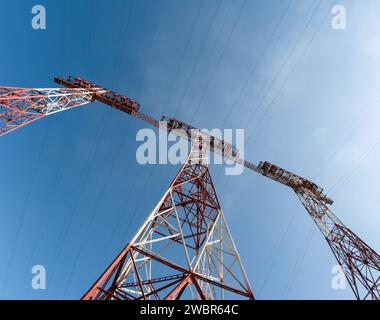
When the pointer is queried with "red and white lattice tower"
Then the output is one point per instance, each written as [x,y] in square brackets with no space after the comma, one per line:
[184,249]
[359,262]
[21,106]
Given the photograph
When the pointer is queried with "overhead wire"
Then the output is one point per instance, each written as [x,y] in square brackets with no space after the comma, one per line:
[124,207]
[67,138]
[176,75]
[257,63]
[86,170]
[182,58]
[333,190]
[196,61]
[151,173]
[219,59]
[289,288]
[150,50]
[254,68]
[98,202]
[293,69]
[299,38]
[276,253]
[24,207]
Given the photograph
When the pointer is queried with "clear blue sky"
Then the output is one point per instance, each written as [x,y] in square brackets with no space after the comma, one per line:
[72,193]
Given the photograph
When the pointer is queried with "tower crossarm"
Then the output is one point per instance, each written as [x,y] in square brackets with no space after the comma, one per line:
[360,263]
[230,152]
[101,94]
[291,180]
[209,141]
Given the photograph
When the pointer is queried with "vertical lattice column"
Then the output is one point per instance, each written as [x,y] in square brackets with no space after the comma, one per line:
[360,263]
[184,249]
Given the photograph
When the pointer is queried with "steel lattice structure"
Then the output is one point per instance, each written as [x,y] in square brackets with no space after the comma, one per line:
[21,106]
[360,263]
[184,250]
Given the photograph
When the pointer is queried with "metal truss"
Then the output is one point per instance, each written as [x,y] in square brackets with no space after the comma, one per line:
[21,106]
[360,263]
[184,250]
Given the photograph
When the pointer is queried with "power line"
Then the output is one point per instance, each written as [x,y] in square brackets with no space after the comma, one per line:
[149,54]
[299,262]
[198,57]
[104,188]
[86,170]
[358,123]
[257,63]
[67,138]
[333,190]
[136,177]
[48,203]
[123,211]
[219,59]
[277,252]
[282,67]
[349,172]
[25,205]
[179,66]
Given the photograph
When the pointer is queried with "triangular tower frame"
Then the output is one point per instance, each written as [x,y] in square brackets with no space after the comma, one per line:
[184,249]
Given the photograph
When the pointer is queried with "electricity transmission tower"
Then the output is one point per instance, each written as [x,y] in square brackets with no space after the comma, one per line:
[184,249]
[21,106]
[359,262]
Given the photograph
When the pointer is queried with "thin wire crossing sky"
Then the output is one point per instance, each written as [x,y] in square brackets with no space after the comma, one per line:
[306,94]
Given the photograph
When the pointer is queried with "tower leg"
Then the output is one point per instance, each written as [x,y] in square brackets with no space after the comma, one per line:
[359,262]
[184,249]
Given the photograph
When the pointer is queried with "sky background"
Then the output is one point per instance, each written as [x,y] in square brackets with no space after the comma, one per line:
[72,193]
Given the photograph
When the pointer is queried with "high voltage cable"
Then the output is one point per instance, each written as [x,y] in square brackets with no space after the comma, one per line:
[299,59]
[140,198]
[349,172]
[24,207]
[68,138]
[85,173]
[150,50]
[257,63]
[105,183]
[282,68]
[276,252]
[176,75]
[196,61]
[48,203]
[333,191]
[77,195]
[123,211]
[143,194]
[179,66]
[170,92]
[299,263]
[213,72]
